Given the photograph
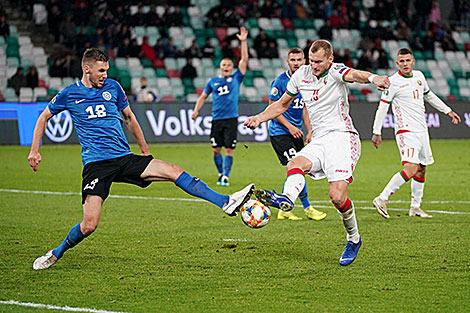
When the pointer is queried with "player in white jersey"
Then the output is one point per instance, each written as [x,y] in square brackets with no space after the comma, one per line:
[407,91]
[335,147]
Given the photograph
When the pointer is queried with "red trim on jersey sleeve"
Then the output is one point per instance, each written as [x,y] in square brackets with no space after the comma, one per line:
[385,101]
[401,131]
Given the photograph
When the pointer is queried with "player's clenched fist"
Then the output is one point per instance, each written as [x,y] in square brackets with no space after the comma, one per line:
[381,82]
[252,122]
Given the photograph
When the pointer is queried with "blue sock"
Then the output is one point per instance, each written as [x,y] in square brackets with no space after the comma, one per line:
[228,165]
[74,237]
[219,163]
[196,187]
[304,197]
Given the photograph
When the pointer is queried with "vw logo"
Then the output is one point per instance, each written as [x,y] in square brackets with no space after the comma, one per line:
[60,126]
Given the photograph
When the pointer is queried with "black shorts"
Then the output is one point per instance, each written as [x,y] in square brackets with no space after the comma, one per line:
[224,133]
[97,177]
[286,147]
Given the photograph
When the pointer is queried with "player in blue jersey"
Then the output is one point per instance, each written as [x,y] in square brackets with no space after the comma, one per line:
[225,90]
[99,107]
[285,131]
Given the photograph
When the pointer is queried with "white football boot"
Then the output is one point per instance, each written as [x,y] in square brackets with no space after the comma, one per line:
[419,212]
[44,261]
[381,206]
[238,199]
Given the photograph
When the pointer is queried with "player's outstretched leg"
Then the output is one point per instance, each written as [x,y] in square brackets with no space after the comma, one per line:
[197,188]
[293,185]
[273,199]
[74,237]
[238,199]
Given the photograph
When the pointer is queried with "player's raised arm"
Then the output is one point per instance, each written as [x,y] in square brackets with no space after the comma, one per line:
[293,130]
[364,77]
[199,103]
[273,110]
[34,156]
[134,127]
[243,64]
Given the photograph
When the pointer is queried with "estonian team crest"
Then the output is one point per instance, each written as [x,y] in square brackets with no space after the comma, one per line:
[107,96]
[274,91]
[419,82]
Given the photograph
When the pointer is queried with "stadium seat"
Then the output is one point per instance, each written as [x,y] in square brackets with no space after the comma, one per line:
[26,94]
[9,95]
[39,92]
[55,83]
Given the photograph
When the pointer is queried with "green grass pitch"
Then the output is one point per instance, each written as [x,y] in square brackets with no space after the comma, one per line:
[154,254]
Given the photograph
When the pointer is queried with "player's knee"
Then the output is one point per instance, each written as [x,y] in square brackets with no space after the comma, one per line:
[174,171]
[89,226]
[337,198]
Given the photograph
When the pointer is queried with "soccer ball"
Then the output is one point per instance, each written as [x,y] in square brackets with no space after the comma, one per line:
[255,214]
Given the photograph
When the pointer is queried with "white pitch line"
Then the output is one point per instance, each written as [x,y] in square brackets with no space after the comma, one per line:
[392,209]
[56,307]
[201,200]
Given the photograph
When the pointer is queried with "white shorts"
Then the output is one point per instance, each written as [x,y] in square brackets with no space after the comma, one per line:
[333,156]
[414,148]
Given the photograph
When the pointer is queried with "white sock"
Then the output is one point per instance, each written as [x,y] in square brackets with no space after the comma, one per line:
[417,191]
[294,184]
[350,224]
[394,184]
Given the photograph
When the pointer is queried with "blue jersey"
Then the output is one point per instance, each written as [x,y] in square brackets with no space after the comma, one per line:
[225,96]
[294,113]
[96,115]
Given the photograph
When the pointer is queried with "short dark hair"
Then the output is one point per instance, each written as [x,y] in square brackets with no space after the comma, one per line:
[404,51]
[317,45]
[93,55]
[295,50]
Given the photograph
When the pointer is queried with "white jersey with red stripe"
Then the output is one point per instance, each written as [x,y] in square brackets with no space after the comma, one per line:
[326,98]
[406,94]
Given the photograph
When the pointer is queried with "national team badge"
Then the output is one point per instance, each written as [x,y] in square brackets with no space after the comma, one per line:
[229,80]
[274,91]
[107,96]
[325,80]
[419,82]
